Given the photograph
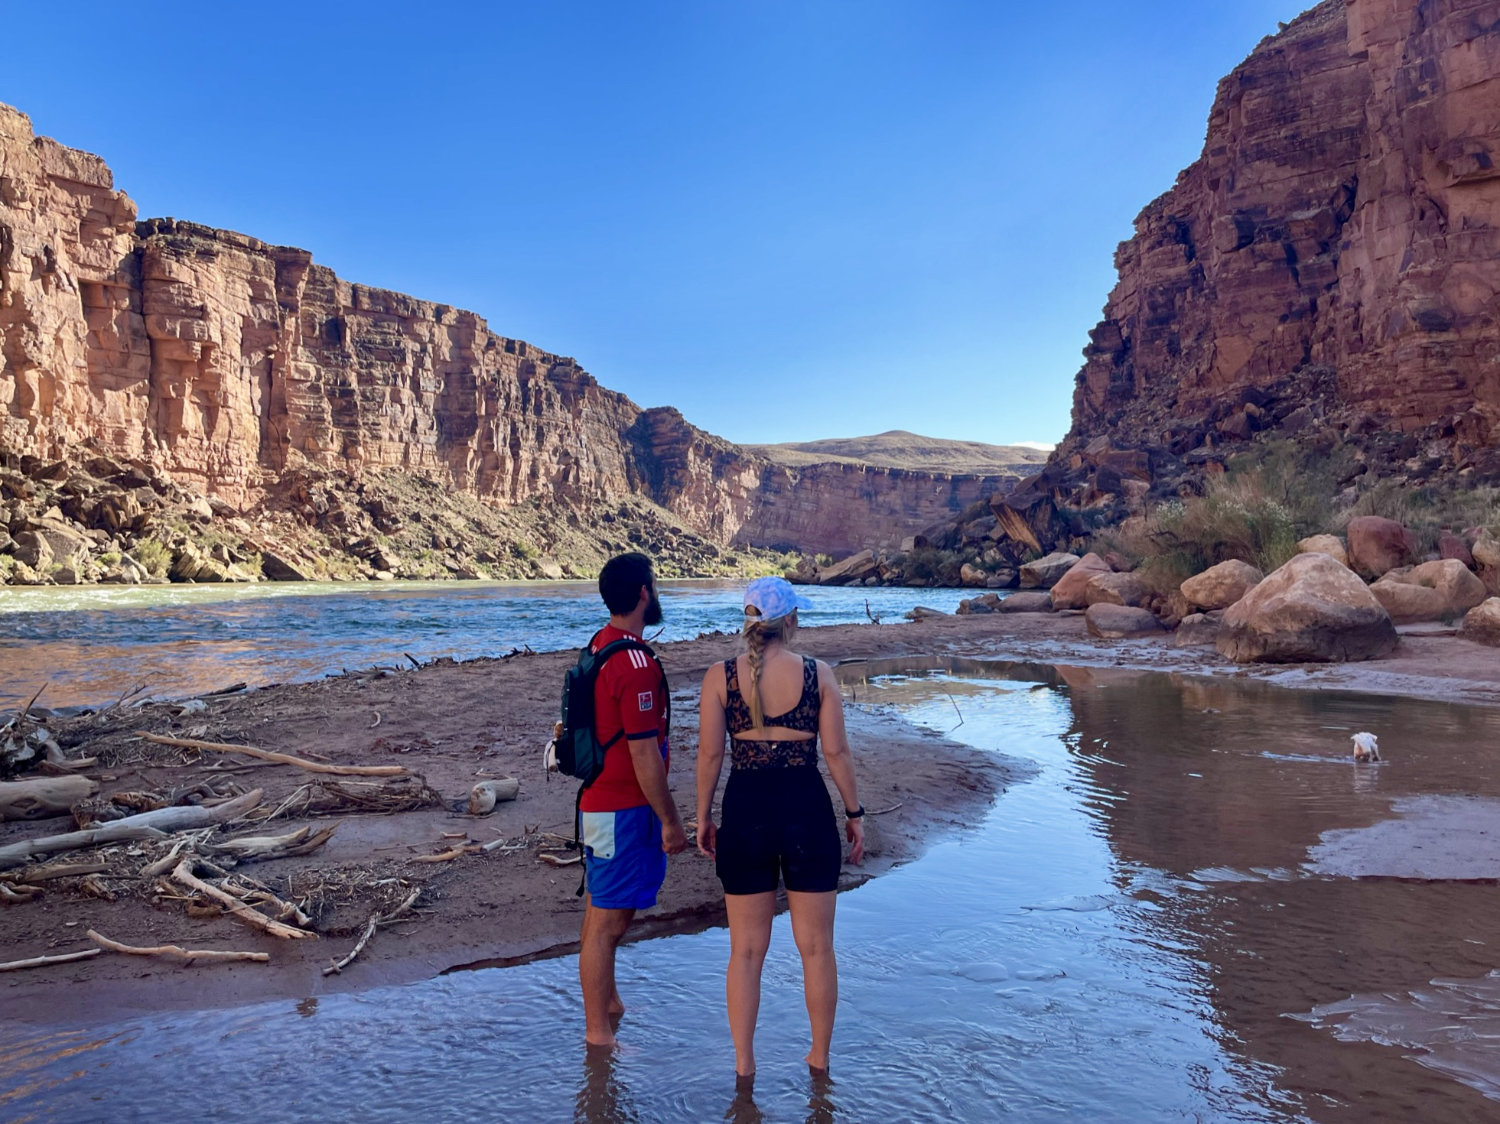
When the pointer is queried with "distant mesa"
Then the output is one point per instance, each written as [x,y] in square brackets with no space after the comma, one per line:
[897,448]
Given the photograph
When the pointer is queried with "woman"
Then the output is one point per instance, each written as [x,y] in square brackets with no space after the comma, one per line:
[778,820]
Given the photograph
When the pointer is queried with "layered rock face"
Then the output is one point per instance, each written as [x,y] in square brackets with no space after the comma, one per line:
[1334,253]
[230,363]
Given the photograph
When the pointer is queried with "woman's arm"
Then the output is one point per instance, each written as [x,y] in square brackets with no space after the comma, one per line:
[711,728]
[840,761]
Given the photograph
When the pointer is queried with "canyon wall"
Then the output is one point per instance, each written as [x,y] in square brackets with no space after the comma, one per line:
[229,363]
[1334,254]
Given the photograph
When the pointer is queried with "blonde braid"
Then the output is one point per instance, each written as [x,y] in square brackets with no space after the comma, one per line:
[758,634]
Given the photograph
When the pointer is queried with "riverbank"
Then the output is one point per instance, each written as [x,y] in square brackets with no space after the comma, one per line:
[452,724]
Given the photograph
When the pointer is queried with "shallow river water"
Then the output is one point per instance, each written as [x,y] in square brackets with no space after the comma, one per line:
[90,645]
[1144,929]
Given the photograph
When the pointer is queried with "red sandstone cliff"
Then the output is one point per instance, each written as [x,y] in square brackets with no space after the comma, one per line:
[1333,255]
[230,363]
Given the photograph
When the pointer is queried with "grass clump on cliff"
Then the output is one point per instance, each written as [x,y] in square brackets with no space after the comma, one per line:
[1255,512]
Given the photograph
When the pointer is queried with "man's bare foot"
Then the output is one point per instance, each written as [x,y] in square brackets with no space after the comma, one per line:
[603,1045]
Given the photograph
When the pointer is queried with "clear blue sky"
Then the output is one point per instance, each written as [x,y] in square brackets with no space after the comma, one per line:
[790,220]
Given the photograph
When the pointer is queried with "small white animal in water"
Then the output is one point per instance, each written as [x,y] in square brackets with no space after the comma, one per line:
[1366,747]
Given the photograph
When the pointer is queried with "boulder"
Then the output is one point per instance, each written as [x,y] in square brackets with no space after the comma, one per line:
[1310,610]
[1486,551]
[853,569]
[1219,587]
[1116,589]
[972,576]
[1001,579]
[921,613]
[984,603]
[1444,589]
[1378,545]
[1116,622]
[1451,546]
[1069,591]
[1045,572]
[1197,629]
[278,569]
[33,550]
[1331,545]
[1033,602]
[1482,623]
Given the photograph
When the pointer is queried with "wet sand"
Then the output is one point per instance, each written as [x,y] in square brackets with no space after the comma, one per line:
[454,723]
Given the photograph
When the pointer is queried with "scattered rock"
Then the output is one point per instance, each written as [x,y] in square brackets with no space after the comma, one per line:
[972,576]
[984,603]
[1045,572]
[1219,587]
[1310,610]
[1378,545]
[1331,545]
[1070,590]
[1451,546]
[1115,622]
[1024,602]
[1482,623]
[923,613]
[1197,630]
[851,570]
[1116,589]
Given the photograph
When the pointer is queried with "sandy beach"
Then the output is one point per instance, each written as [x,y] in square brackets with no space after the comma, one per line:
[451,724]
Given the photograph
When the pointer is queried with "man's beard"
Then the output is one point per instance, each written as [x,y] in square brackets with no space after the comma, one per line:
[653,611]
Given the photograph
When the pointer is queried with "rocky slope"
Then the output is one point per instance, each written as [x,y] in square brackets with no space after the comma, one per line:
[238,371]
[1327,271]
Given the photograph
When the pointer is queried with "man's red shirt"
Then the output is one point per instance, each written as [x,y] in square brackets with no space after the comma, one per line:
[629,695]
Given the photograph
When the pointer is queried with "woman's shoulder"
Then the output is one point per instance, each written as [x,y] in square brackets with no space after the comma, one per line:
[715,673]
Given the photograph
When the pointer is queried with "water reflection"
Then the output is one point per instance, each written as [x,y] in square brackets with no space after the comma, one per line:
[602,1096]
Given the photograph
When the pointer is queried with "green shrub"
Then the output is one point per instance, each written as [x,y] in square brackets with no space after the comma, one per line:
[154,555]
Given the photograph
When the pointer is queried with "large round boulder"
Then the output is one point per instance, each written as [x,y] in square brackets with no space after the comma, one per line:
[1486,551]
[1482,623]
[1331,545]
[1070,590]
[1117,622]
[1045,572]
[1197,630]
[1378,545]
[1440,590]
[1310,610]
[1219,587]
[1116,589]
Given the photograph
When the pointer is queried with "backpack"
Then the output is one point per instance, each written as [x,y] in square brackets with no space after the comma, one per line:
[579,751]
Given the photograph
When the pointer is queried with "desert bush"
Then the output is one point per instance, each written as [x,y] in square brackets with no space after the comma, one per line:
[928,564]
[154,555]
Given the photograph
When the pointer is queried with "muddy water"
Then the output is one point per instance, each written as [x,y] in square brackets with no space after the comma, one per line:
[1181,915]
[91,645]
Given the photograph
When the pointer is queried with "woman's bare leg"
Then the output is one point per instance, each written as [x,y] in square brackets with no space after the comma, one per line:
[812,926]
[749,936]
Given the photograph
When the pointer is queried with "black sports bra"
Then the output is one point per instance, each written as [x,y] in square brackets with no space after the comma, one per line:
[748,753]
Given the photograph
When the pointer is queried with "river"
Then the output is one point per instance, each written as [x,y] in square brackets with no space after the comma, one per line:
[91,645]
[1184,914]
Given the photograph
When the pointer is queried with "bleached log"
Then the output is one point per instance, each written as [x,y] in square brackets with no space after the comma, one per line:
[486,794]
[258,848]
[375,922]
[277,758]
[176,952]
[40,797]
[185,817]
[56,958]
[183,875]
[57,870]
[14,854]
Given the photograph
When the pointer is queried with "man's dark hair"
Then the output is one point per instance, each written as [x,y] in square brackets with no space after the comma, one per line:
[621,579]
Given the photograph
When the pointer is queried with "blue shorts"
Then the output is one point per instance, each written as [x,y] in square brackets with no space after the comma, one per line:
[623,861]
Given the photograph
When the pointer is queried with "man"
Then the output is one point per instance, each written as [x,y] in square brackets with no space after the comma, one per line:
[630,824]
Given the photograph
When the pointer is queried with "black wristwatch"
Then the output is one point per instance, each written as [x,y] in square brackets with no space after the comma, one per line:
[854,815]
